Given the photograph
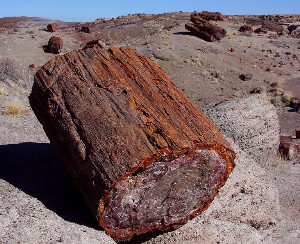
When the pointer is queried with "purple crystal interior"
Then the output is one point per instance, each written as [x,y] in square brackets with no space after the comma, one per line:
[165,193]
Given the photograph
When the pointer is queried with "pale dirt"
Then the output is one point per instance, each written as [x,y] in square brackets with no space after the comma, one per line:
[38,202]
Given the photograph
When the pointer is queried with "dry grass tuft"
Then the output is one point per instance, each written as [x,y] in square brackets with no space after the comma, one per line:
[281,161]
[14,108]
[2,91]
[287,96]
[279,84]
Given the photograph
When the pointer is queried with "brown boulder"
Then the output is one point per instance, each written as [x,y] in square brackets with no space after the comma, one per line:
[291,28]
[55,45]
[85,29]
[204,29]
[93,43]
[143,156]
[246,28]
[52,27]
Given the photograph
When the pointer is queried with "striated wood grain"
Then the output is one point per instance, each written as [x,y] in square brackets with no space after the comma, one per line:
[125,132]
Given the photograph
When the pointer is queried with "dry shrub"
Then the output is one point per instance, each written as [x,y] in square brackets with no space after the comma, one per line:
[287,96]
[2,91]
[281,161]
[14,108]
[279,85]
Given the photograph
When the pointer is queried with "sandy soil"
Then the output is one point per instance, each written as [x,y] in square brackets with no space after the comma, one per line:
[38,202]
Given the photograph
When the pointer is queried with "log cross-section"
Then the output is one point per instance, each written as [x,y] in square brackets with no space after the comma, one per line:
[143,156]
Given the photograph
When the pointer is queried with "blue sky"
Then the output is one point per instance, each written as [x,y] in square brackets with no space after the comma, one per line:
[89,10]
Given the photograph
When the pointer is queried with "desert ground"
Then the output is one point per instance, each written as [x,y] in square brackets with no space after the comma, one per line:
[40,204]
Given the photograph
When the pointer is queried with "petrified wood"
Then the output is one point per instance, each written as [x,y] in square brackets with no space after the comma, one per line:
[144,157]
[55,45]
[204,29]
[216,16]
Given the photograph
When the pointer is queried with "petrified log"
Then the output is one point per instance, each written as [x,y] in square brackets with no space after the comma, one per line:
[55,45]
[52,27]
[144,157]
[204,29]
[216,16]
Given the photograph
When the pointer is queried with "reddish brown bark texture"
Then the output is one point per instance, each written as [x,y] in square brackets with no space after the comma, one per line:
[112,115]
[204,29]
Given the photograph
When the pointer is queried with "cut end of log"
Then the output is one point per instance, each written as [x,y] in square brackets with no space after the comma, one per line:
[163,196]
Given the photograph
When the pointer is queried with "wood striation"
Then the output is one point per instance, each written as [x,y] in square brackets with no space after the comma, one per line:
[112,114]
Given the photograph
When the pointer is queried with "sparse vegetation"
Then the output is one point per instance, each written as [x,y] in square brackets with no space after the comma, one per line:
[287,96]
[2,91]
[279,84]
[281,161]
[14,108]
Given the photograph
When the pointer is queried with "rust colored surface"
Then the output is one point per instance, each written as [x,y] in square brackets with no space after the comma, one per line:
[216,16]
[55,45]
[115,118]
[204,29]
[246,28]
[52,27]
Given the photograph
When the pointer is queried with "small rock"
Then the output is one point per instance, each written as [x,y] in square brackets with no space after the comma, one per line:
[246,77]
[285,138]
[95,42]
[261,30]
[246,28]
[31,66]
[295,104]
[231,49]
[256,90]
[288,53]
[85,29]
[216,74]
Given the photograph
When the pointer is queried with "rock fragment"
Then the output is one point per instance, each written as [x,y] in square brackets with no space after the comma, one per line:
[246,77]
